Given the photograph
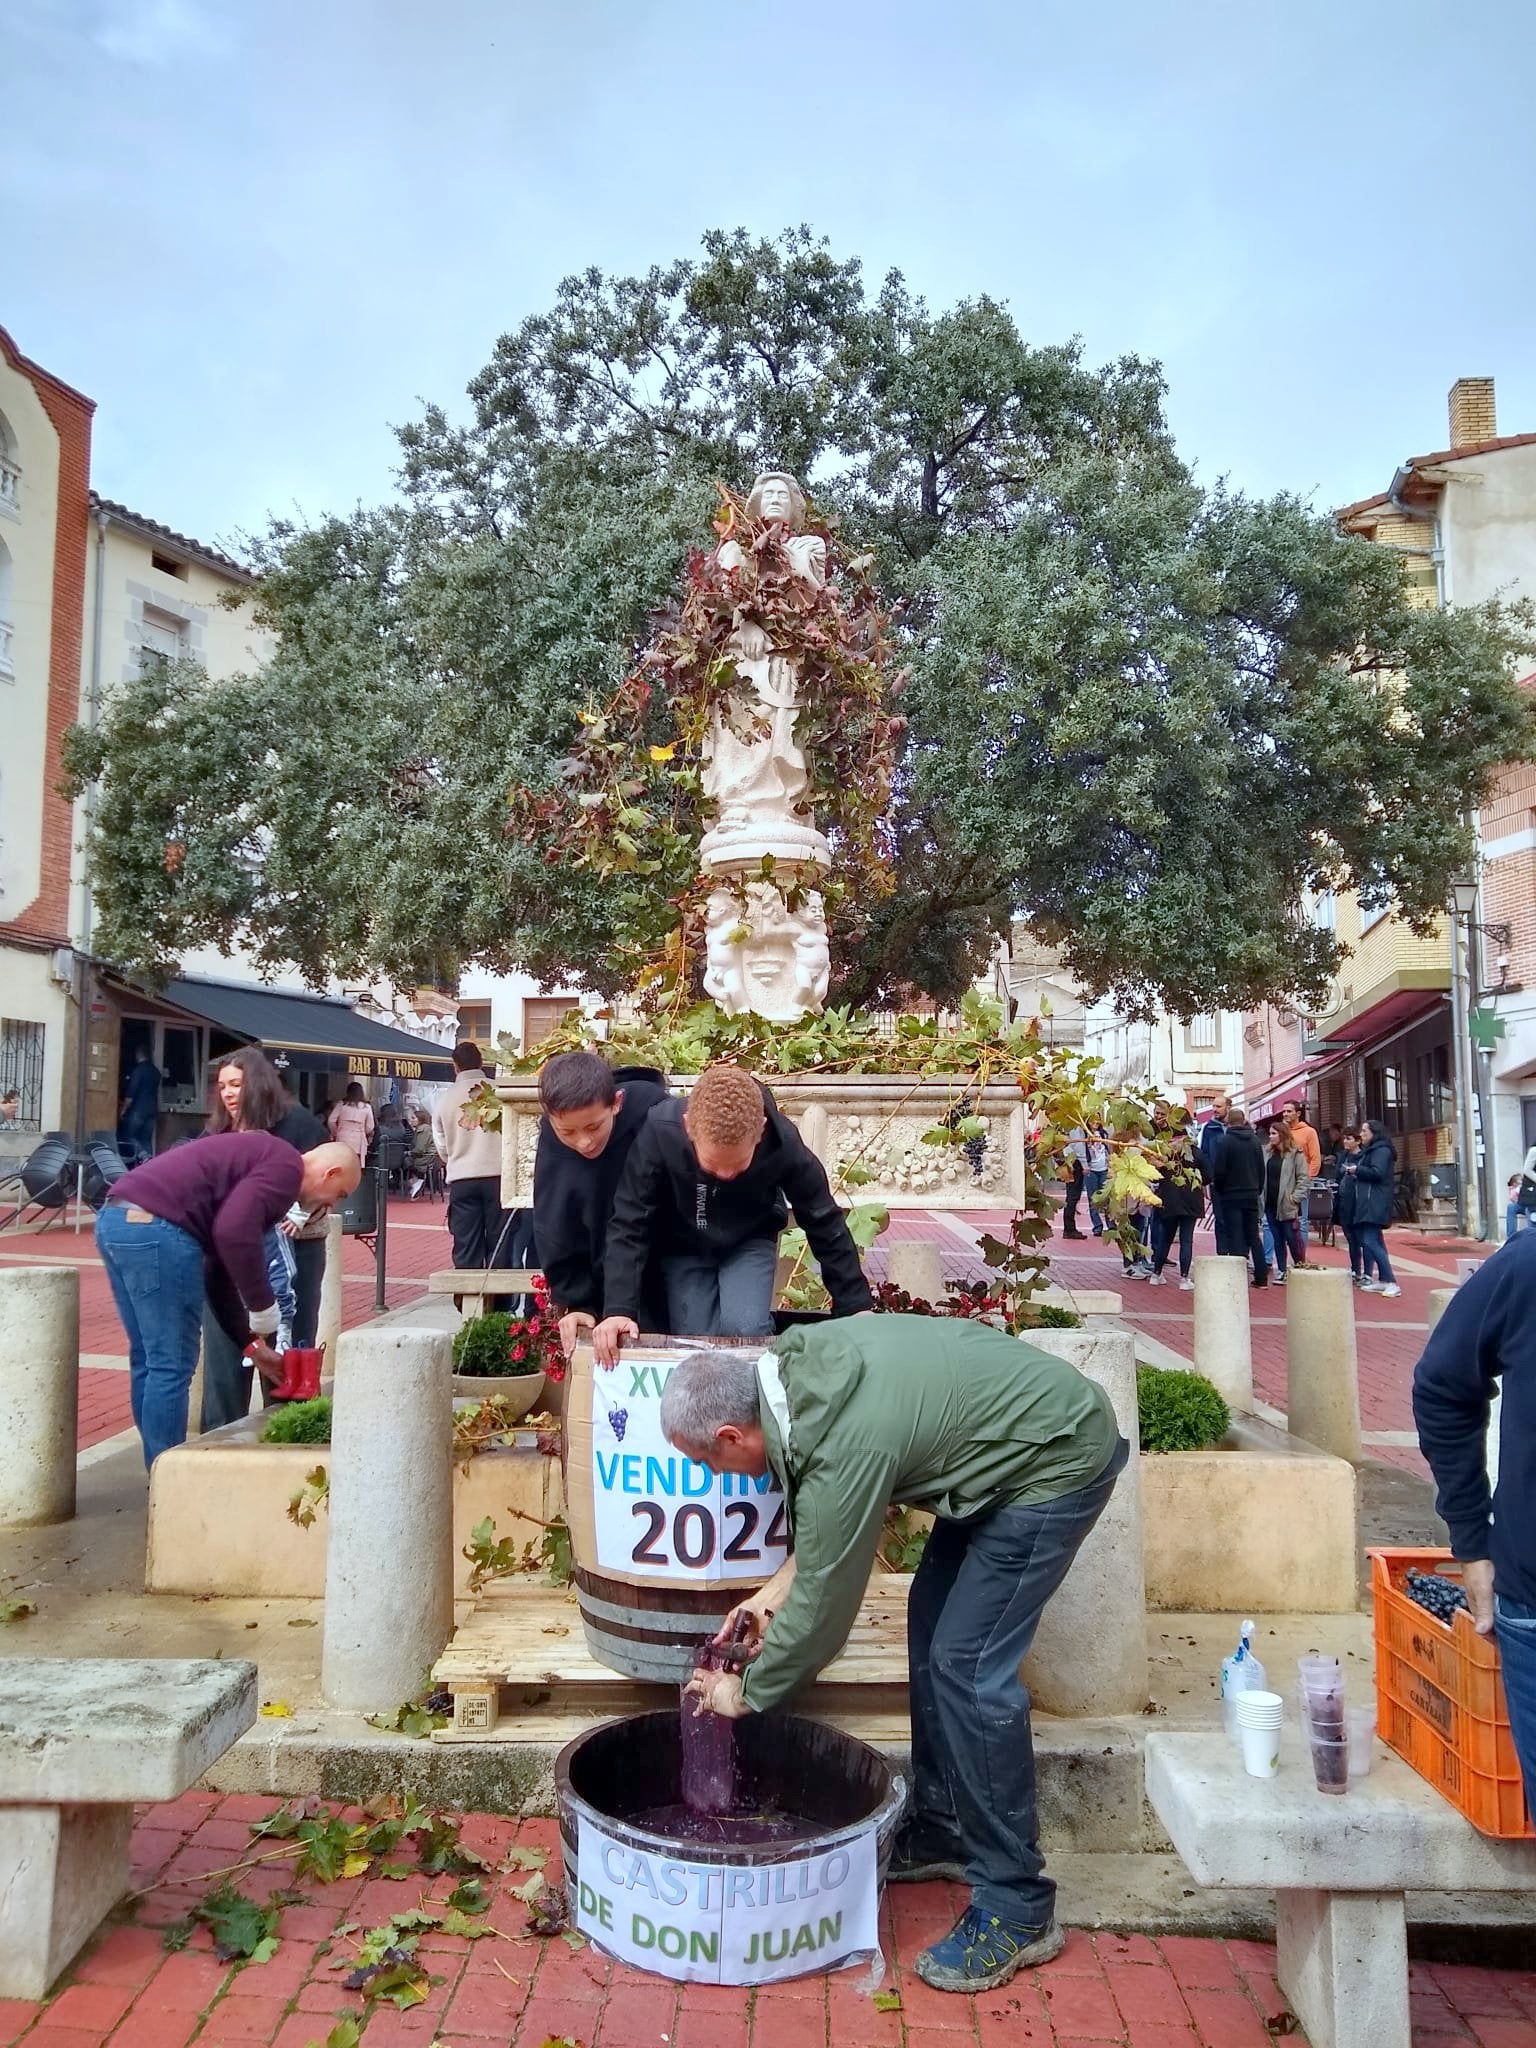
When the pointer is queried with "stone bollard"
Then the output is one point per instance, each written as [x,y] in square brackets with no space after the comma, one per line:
[915,1266]
[389,1554]
[328,1327]
[1440,1299]
[39,1393]
[1224,1331]
[1090,1650]
[1322,1370]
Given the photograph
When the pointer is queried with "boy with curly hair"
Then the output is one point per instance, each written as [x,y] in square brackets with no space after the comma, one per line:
[707,1187]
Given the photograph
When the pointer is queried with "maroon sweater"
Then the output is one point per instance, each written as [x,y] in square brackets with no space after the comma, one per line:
[226,1192]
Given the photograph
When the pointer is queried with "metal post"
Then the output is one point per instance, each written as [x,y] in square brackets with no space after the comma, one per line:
[381,1238]
[1466,1177]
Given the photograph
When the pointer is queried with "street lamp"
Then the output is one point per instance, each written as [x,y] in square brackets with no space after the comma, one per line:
[1464,896]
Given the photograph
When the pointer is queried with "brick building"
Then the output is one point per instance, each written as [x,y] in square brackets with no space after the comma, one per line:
[1463,520]
[45,458]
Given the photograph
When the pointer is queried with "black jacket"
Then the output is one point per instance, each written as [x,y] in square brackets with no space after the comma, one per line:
[667,1204]
[573,1199]
[1344,1200]
[1375,1183]
[1237,1172]
[1487,1334]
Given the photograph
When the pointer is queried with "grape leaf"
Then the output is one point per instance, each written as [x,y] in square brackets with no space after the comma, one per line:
[521,1858]
[464,1924]
[887,2001]
[242,1930]
[469,1895]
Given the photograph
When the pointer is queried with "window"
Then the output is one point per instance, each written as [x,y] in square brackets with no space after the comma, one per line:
[1201,1034]
[21,1070]
[475,1023]
[168,567]
[1325,911]
[162,637]
[7,635]
[543,1016]
[1202,1105]
[10,470]
[1373,916]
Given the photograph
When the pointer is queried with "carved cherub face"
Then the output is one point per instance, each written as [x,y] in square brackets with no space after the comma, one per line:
[777,496]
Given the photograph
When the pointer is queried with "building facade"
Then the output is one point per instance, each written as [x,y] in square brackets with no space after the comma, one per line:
[45,455]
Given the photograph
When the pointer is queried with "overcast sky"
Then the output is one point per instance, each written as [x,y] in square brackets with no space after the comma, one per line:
[259,234]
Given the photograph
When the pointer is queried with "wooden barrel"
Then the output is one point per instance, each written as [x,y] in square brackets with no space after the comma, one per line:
[662,1549]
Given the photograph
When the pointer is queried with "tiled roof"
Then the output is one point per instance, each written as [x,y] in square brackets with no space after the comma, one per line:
[1416,464]
[182,542]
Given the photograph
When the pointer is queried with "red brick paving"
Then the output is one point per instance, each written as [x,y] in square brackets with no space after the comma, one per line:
[516,1992]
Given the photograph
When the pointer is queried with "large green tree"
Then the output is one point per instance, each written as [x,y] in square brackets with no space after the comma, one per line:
[1147,715]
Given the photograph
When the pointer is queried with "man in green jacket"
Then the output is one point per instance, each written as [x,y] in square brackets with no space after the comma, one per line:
[1016,1454]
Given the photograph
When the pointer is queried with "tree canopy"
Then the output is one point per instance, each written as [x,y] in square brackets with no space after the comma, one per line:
[1146,714]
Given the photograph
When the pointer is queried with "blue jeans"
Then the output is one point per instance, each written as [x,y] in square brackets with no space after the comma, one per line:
[729,1297]
[1283,1235]
[976,1602]
[1356,1256]
[1092,1182]
[1164,1231]
[1515,1627]
[156,1273]
[1373,1251]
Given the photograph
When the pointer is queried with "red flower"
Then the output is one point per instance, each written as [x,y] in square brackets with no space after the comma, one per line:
[519,1350]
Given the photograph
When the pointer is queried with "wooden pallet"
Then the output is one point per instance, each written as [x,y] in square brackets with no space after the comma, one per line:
[520,1671]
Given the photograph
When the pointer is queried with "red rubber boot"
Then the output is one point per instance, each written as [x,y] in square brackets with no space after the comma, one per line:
[301,1373]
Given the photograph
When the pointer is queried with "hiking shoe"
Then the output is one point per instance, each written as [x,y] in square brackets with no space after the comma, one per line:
[981,1952]
[918,1859]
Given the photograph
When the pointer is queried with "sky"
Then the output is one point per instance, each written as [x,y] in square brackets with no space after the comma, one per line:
[259,236]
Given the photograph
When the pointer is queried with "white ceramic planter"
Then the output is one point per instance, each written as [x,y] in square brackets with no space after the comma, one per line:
[518,1395]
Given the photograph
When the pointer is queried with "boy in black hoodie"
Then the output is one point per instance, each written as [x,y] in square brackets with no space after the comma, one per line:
[706,1187]
[590,1122]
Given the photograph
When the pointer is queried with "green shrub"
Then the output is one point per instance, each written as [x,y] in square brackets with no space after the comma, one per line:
[1179,1411]
[481,1346]
[300,1422]
[1049,1315]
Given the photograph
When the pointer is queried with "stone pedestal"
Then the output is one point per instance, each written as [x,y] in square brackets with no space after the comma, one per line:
[916,1267]
[62,1870]
[1223,1331]
[39,1391]
[1342,1960]
[1322,1371]
[389,1564]
[1090,1651]
[328,1329]
[1440,1299]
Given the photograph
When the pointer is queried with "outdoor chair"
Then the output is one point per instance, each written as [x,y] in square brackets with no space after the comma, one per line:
[47,1179]
[106,1167]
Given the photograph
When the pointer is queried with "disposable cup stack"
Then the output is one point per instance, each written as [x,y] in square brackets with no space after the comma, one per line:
[1258,1729]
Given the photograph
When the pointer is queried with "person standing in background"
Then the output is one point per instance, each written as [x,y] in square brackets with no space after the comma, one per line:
[139,1111]
[1306,1138]
[1375,1184]
[1285,1194]
[250,1096]
[352,1122]
[484,1234]
[1237,1189]
[1344,1203]
[1212,1132]
[1181,1199]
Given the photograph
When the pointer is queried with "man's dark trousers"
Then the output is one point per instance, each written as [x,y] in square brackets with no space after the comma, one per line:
[975,1604]
[1238,1232]
[483,1232]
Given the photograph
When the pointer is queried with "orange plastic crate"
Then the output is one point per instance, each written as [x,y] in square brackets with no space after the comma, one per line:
[1440,1699]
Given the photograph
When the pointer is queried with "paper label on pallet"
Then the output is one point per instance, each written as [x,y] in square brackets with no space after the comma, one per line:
[661,1515]
[712,1923]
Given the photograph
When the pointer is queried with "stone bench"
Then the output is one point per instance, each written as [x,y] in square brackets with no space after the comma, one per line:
[82,1740]
[474,1281]
[1338,1867]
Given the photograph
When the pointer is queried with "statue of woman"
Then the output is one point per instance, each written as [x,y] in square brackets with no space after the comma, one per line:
[754,770]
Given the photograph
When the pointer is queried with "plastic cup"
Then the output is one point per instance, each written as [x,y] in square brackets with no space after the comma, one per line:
[1330,1765]
[1261,1750]
[1361,1723]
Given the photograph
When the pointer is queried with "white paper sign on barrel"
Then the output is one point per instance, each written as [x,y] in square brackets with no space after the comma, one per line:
[660,1515]
[724,1923]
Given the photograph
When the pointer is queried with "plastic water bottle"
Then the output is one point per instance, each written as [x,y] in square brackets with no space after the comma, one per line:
[1241,1672]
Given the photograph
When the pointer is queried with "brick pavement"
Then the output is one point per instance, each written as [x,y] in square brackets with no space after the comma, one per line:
[513,1991]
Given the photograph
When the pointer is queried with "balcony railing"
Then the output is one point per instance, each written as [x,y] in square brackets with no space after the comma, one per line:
[10,484]
[7,662]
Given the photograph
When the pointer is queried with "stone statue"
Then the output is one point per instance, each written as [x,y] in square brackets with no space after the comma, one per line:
[767,958]
[754,768]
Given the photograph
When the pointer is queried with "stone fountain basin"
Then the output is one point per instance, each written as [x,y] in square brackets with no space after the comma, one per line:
[218,1512]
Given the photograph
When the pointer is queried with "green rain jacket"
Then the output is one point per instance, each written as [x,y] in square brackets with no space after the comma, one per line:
[934,1412]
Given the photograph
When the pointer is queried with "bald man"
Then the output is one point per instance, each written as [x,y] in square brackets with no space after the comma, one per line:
[187,1227]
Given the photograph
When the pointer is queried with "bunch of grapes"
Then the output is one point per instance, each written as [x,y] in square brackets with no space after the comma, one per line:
[1436,1594]
[619,1417]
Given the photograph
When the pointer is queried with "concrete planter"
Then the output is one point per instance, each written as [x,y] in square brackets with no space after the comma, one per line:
[519,1394]
[1262,1523]
[218,1512]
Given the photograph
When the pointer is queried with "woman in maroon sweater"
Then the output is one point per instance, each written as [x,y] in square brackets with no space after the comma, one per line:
[188,1225]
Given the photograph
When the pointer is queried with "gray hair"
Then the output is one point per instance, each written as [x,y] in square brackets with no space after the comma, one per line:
[706,1391]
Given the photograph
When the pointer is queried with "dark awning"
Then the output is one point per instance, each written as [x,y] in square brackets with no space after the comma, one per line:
[311,1032]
